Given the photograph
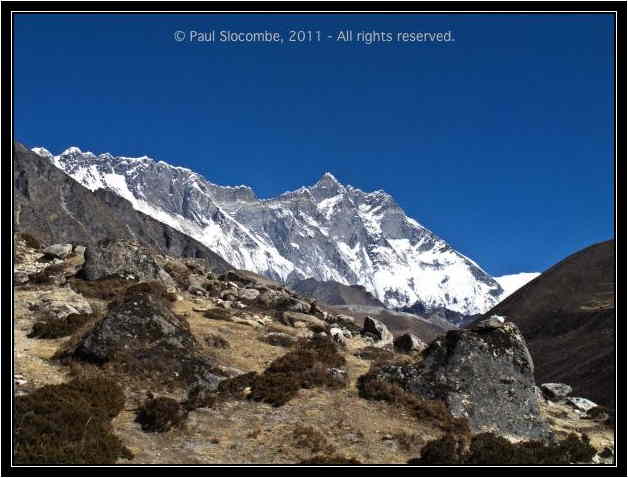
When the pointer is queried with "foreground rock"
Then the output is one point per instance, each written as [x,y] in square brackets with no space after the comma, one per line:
[485,375]
[142,334]
[123,259]
[60,251]
[408,343]
[556,391]
[377,331]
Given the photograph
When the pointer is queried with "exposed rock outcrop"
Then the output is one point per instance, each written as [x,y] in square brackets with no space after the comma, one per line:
[377,331]
[485,375]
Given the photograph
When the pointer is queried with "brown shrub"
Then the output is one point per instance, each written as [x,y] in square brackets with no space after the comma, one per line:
[30,240]
[375,354]
[55,327]
[103,289]
[47,275]
[69,424]
[312,439]
[160,415]
[216,341]
[408,441]
[330,460]
[274,388]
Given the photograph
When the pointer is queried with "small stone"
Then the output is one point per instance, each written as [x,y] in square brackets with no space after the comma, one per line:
[582,404]
[493,322]
[555,391]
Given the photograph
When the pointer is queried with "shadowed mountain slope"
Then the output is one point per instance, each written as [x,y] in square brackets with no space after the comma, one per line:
[54,208]
[567,315]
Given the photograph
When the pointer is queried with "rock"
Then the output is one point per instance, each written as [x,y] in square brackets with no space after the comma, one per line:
[296,305]
[60,251]
[123,259]
[485,375]
[196,286]
[582,404]
[79,251]
[248,294]
[279,339]
[407,343]
[20,277]
[245,321]
[141,331]
[63,303]
[229,294]
[291,318]
[493,322]
[337,336]
[338,374]
[378,331]
[238,305]
[555,391]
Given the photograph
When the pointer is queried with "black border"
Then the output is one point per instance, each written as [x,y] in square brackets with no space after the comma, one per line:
[393,7]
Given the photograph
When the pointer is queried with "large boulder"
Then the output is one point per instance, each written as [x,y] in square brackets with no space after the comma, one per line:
[123,259]
[292,318]
[140,331]
[408,343]
[378,331]
[60,251]
[485,375]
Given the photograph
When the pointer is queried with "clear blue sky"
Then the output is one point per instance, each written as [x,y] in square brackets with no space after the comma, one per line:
[500,142]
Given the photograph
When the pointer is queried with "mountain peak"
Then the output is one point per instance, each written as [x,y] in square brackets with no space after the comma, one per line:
[43,152]
[328,177]
[71,150]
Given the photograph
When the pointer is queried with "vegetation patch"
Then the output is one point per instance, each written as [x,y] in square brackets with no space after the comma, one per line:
[216,341]
[161,414]
[371,387]
[55,327]
[103,289]
[330,460]
[489,449]
[218,313]
[30,240]
[312,439]
[69,424]
[47,275]
[375,354]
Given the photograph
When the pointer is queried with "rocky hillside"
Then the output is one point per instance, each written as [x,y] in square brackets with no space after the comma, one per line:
[55,208]
[335,293]
[127,355]
[567,315]
[327,231]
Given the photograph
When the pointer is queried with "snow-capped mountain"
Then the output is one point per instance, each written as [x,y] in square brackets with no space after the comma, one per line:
[513,282]
[327,231]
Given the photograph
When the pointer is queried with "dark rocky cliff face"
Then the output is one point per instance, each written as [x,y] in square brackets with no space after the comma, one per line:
[55,208]
[567,315]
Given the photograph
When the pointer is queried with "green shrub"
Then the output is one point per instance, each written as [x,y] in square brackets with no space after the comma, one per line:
[55,327]
[69,424]
[160,415]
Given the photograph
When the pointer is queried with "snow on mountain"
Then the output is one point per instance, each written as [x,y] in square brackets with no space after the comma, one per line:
[513,282]
[327,231]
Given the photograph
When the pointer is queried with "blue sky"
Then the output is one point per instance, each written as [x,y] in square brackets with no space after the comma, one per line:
[500,141]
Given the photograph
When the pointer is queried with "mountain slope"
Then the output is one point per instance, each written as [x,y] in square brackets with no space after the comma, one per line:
[567,315]
[55,208]
[328,231]
[334,293]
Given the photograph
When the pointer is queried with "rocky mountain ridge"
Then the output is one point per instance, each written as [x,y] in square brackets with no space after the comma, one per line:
[327,231]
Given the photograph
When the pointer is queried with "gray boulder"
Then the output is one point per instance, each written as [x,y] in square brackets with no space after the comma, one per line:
[291,318]
[248,295]
[337,336]
[408,342]
[555,391]
[123,259]
[60,251]
[378,331]
[140,330]
[485,375]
